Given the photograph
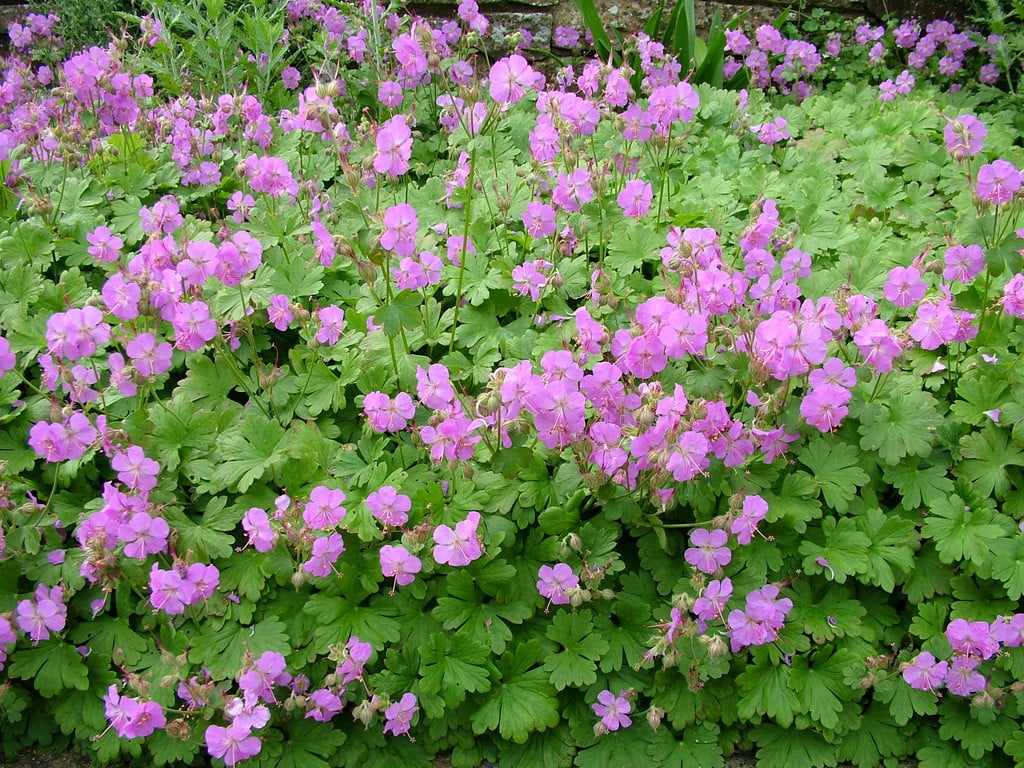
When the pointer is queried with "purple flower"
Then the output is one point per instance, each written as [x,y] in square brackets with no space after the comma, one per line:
[461,546]
[709,550]
[256,523]
[925,673]
[613,710]
[904,287]
[635,198]
[143,535]
[965,136]
[43,614]
[711,604]
[972,638]
[962,677]
[400,223]
[394,148]
[232,744]
[510,77]
[322,705]
[387,415]
[396,562]
[754,510]
[997,182]
[554,583]
[326,551]
[324,509]
[400,714]
[389,506]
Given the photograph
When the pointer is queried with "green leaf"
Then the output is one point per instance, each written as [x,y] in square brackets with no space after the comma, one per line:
[698,745]
[820,685]
[875,739]
[766,689]
[244,575]
[962,532]
[206,537]
[53,667]
[339,619]
[631,245]
[978,738]
[453,665]
[904,702]
[483,621]
[893,542]
[834,469]
[110,638]
[576,664]
[221,650]
[307,743]
[844,552]
[987,458]
[523,703]
[624,747]
[169,750]
[248,451]
[905,424]
[402,311]
[789,748]
[1010,571]
[918,483]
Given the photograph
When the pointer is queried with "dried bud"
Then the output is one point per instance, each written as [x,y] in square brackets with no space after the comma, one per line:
[178,729]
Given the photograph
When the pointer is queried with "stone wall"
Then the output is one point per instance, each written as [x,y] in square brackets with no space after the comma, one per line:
[541,17]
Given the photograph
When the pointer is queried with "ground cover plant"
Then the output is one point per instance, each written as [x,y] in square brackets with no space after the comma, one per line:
[363,402]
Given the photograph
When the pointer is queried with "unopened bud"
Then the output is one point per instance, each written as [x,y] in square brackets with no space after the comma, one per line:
[168,680]
[606,594]
[574,541]
[684,602]
[654,716]
[600,729]
[716,646]
[578,597]
[364,712]
[983,699]
[298,579]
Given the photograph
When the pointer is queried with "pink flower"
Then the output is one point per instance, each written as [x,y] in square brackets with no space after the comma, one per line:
[400,222]
[711,604]
[232,744]
[332,323]
[394,148]
[997,182]
[104,245]
[143,535]
[43,614]
[135,470]
[904,288]
[925,673]
[389,506]
[256,523]
[396,562]
[754,510]
[613,710]
[323,704]
[963,263]
[400,714]
[461,546]
[509,79]
[324,509]
[387,415]
[965,136]
[326,551]
[554,583]
[635,198]
[709,550]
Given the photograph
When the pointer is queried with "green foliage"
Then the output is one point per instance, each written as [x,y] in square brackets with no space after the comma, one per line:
[585,577]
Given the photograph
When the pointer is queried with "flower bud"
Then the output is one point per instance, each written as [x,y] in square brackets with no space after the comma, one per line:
[178,729]
[298,579]
[654,716]
[606,594]
[600,729]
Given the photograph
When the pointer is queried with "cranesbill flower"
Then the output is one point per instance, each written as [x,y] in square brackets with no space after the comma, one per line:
[555,582]
[143,535]
[396,562]
[965,136]
[322,705]
[400,714]
[711,604]
[387,415]
[997,182]
[400,223]
[256,523]
[232,744]
[613,710]
[460,546]
[389,506]
[962,263]
[709,550]
[326,550]
[877,344]
[324,509]
[394,148]
[962,677]
[925,673]
[635,198]
[43,614]
[332,323]
[972,638]
[433,386]
[904,286]
[754,510]
[824,407]
[510,78]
